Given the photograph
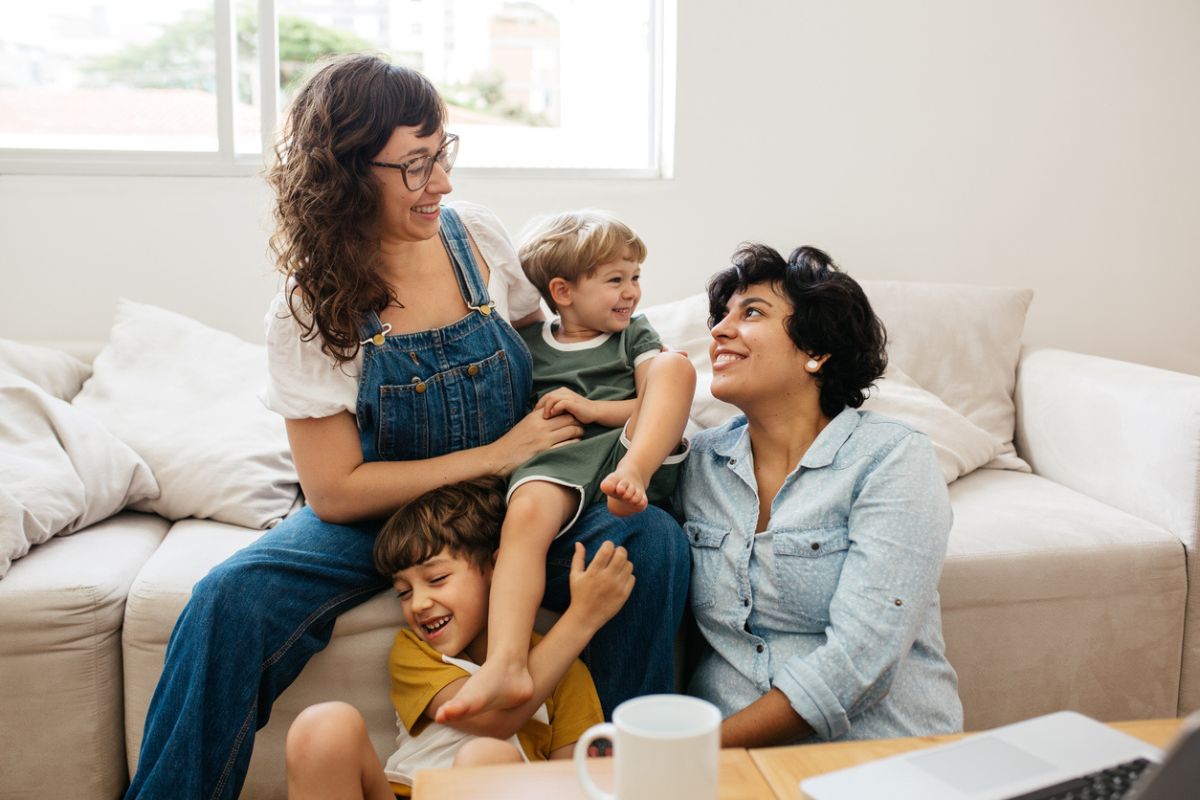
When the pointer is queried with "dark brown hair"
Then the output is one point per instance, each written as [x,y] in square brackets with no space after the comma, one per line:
[463,518]
[326,198]
[830,315]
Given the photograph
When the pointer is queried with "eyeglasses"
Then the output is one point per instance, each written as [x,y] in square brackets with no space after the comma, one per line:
[416,172]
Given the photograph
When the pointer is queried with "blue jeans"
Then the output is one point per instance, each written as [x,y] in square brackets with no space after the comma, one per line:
[255,620]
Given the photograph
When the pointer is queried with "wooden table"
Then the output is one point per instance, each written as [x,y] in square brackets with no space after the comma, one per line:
[785,767]
[772,773]
[738,779]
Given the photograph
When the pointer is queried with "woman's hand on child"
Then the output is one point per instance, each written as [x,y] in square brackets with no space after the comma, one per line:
[564,401]
[533,434]
[599,590]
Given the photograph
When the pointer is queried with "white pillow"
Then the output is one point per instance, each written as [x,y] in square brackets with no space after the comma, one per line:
[962,343]
[960,445]
[60,470]
[183,395]
[59,373]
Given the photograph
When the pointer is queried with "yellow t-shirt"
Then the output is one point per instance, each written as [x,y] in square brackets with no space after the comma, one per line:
[419,672]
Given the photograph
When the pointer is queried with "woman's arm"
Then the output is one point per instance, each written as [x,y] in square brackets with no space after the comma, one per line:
[343,489]
[767,721]
[899,524]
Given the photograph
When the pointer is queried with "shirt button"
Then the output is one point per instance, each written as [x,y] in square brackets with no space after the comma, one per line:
[746,602]
[733,462]
[759,648]
[899,602]
[816,545]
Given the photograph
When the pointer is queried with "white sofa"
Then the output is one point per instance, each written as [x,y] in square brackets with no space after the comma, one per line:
[1064,587]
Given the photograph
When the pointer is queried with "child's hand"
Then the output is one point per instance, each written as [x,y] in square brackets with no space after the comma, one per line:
[598,592]
[564,401]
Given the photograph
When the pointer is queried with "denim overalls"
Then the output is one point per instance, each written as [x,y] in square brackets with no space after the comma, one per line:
[428,393]
[254,621]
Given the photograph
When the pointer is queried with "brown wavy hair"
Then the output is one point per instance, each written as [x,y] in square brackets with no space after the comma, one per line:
[327,201]
[463,518]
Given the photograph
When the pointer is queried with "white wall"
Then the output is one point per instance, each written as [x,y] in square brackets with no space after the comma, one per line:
[1052,145]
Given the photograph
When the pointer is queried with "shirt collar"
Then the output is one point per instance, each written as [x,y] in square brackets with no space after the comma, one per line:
[825,448]
[735,442]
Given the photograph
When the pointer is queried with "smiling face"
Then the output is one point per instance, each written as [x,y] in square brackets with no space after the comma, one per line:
[445,601]
[604,300]
[754,359]
[405,215]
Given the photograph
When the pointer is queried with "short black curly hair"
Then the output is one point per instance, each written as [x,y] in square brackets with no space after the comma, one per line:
[830,315]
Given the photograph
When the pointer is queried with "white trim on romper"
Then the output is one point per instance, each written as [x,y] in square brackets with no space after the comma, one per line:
[588,344]
[558,482]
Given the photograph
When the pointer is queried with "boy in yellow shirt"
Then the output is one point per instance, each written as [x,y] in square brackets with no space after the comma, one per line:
[440,550]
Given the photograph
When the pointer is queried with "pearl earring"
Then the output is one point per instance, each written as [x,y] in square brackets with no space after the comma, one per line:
[813,365]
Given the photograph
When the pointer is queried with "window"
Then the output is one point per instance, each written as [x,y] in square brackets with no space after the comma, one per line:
[189,86]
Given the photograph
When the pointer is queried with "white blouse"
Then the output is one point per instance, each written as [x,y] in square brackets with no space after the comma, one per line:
[304,382]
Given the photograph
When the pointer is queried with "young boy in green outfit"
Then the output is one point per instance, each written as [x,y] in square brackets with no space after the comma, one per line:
[607,368]
[439,550]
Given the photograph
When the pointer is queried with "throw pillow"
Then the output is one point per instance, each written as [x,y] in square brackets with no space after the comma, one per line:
[57,372]
[60,470]
[962,343]
[183,395]
[960,445]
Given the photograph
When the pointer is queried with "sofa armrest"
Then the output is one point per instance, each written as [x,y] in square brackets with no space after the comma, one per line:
[1125,434]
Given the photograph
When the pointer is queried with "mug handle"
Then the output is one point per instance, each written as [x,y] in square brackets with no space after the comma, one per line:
[593,733]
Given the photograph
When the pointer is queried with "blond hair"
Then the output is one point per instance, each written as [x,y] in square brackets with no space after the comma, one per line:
[572,244]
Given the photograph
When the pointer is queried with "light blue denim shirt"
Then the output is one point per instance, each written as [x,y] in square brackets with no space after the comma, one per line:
[835,604]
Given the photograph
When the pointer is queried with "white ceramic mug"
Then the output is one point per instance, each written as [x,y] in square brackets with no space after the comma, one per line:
[665,747]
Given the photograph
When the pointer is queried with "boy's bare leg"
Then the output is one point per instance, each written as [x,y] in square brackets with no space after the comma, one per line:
[535,513]
[330,757]
[486,750]
[654,430]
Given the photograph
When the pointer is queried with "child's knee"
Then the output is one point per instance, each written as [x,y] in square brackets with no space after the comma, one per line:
[673,366]
[324,730]
[486,750]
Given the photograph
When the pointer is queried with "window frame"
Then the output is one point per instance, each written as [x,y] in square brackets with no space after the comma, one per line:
[225,162]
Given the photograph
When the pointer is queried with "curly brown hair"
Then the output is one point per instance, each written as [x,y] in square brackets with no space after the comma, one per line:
[463,518]
[326,199]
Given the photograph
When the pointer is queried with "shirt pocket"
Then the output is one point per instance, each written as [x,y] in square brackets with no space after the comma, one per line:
[808,566]
[710,574]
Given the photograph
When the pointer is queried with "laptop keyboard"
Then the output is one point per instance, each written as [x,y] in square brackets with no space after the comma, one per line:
[1107,784]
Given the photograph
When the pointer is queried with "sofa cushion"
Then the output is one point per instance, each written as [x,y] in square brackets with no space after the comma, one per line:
[962,343]
[183,396]
[61,608]
[1053,600]
[352,668]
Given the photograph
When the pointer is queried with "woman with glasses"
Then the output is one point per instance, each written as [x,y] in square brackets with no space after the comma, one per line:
[392,357]
[817,530]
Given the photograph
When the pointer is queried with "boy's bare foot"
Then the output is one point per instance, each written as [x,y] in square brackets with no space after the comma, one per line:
[626,490]
[497,684]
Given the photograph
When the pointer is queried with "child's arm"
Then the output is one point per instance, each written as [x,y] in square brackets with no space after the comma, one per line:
[609,413]
[597,594]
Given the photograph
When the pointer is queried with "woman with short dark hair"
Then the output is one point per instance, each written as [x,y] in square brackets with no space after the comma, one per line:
[817,530]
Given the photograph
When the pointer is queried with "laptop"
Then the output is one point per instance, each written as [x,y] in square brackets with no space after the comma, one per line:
[1057,755]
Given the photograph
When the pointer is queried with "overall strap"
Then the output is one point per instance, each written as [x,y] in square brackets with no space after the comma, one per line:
[458,245]
[372,330]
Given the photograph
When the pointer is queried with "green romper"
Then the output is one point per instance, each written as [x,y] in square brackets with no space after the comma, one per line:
[598,369]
